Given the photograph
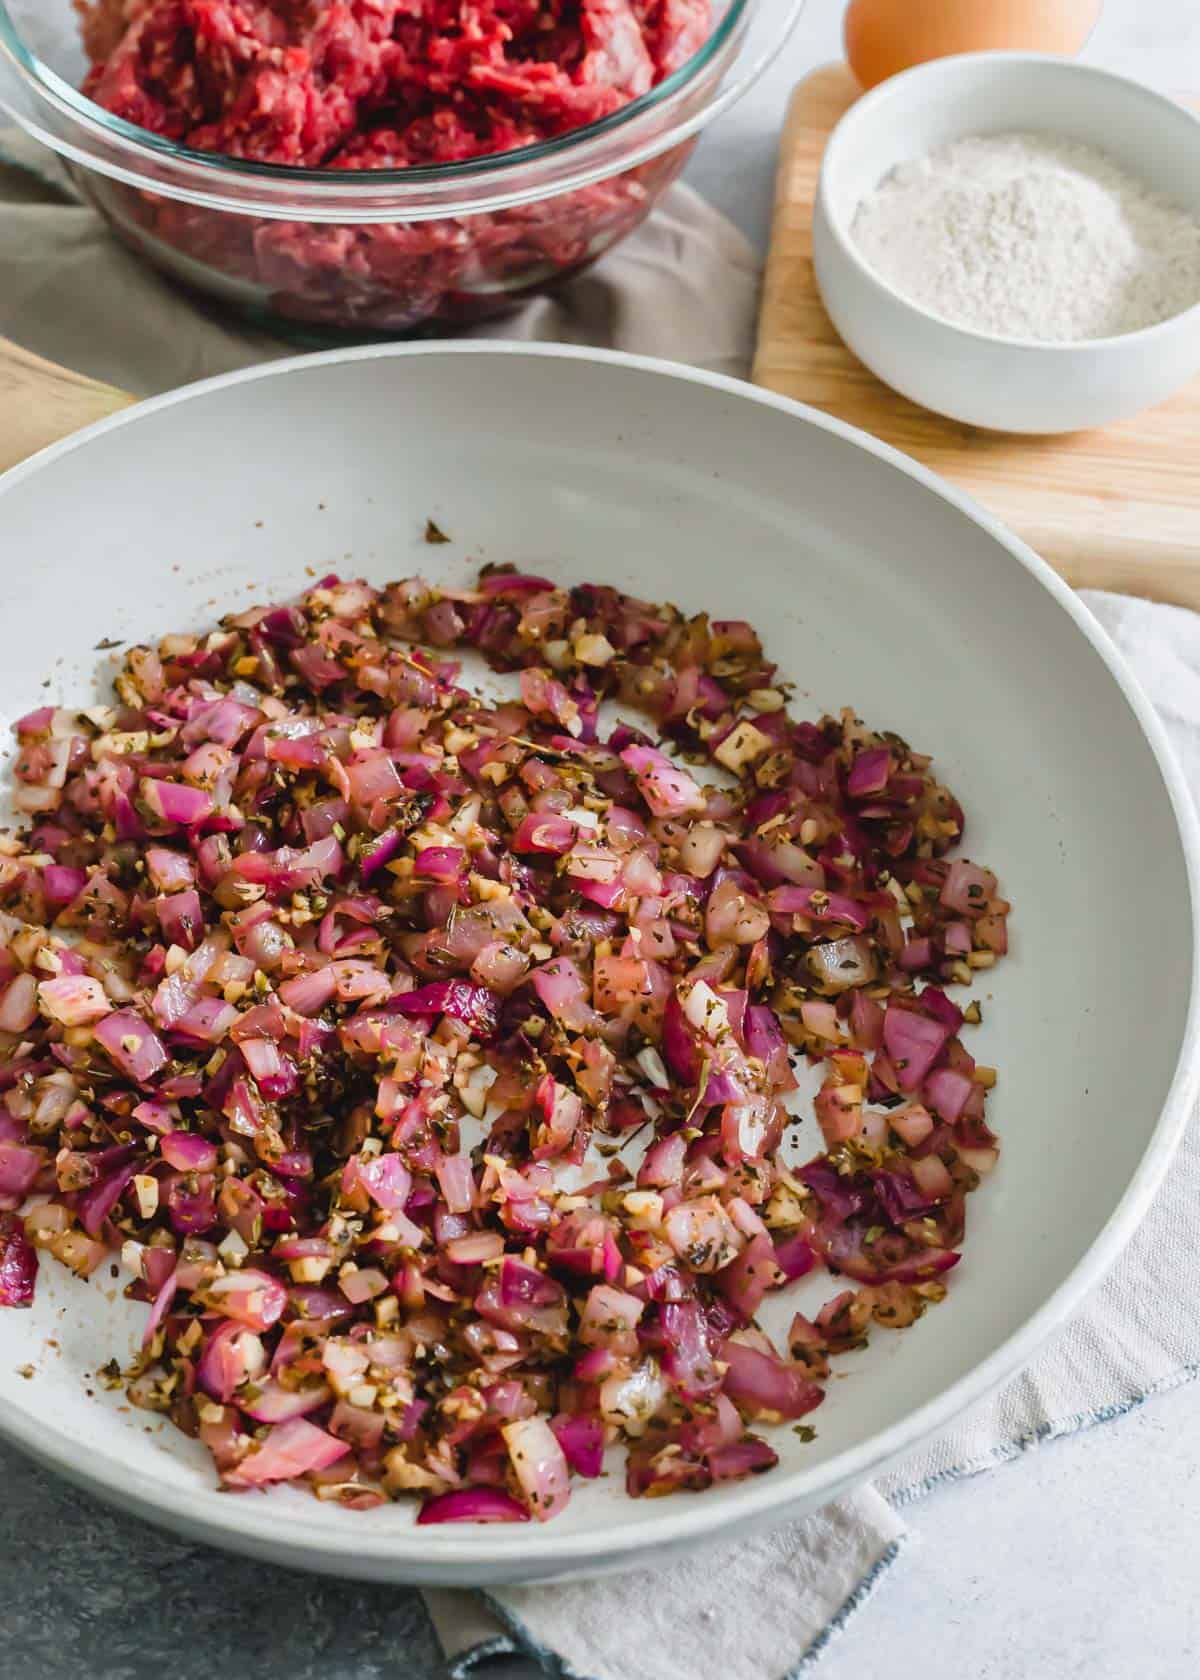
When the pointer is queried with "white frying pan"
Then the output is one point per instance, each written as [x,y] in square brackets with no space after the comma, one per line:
[878,587]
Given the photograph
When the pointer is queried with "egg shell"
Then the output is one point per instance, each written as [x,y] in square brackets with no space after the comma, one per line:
[883,37]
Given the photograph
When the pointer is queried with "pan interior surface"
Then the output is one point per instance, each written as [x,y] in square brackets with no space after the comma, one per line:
[873,589]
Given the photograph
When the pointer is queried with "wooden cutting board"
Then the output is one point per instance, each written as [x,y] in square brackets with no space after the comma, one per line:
[41,402]
[1117,508]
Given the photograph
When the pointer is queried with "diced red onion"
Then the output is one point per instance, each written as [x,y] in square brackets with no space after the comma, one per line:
[19,1166]
[476,1006]
[538,1465]
[62,884]
[18,1006]
[947,1093]
[75,1000]
[18,1264]
[869,773]
[764,1385]
[474,1249]
[308,994]
[410,953]
[748,1457]
[457,1182]
[188,1152]
[232,1355]
[967,889]
[172,803]
[251,1297]
[291,1449]
[440,863]
[472,1504]
[912,1123]
[913,1042]
[96,1205]
[667,790]
[818,906]
[385,1178]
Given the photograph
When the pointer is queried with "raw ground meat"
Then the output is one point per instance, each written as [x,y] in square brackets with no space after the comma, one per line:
[378,83]
[383,84]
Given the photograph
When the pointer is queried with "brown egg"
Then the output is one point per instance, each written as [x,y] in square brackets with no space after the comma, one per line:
[884,36]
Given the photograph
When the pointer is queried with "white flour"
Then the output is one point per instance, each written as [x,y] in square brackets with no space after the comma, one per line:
[1030,236]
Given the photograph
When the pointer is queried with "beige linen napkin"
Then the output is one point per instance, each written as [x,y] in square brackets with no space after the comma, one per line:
[684,286]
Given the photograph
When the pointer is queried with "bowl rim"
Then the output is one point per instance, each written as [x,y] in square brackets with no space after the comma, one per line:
[145,138]
[478,1557]
[745,39]
[907,85]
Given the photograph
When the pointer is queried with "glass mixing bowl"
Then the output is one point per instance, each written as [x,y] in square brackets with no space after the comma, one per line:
[387,251]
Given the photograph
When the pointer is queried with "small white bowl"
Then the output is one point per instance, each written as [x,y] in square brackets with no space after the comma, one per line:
[1005,384]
